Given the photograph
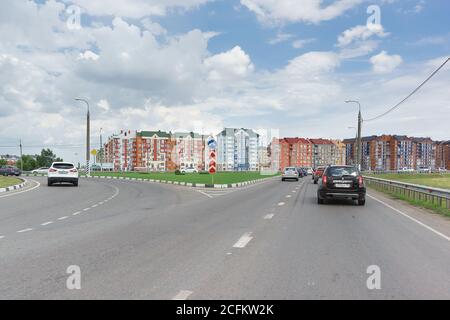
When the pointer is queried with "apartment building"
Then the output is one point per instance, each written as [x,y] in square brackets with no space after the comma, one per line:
[188,150]
[295,152]
[442,158]
[340,152]
[391,152]
[237,150]
[324,152]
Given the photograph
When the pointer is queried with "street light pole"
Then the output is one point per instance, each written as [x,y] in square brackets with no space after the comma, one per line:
[359,153]
[101,151]
[88,129]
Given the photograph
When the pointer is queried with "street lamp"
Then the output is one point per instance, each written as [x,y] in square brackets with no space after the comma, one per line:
[88,147]
[358,160]
[101,151]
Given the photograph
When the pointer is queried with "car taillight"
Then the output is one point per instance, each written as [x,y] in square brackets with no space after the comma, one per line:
[360,181]
[73,170]
[324,179]
[52,170]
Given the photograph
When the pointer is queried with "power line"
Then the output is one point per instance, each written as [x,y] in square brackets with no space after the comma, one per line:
[412,93]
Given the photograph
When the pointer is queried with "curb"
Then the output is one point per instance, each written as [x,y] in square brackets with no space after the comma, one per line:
[12,188]
[186,184]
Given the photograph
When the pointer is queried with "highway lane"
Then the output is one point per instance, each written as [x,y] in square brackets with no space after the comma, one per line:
[270,240]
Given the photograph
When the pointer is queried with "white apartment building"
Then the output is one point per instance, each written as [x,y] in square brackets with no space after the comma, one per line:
[237,150]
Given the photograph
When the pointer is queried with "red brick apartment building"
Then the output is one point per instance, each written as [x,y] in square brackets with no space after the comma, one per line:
[443,154]
[391,152]
[295,152]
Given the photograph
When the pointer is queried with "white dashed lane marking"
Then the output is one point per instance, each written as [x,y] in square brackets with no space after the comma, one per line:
[46,223]
[288,196]
[243,241]
[63,218]
[1,237]
[86,209]
[268,216]
[76,213]
[25,230]
[281,204]
[182,295]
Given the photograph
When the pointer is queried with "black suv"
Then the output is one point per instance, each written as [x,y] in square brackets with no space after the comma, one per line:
[10,171]
[341,182]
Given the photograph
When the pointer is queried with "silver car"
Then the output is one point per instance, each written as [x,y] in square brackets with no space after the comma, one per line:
[289,173]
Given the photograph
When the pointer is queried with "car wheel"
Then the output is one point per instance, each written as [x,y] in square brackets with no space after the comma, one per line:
[315,181]
[49,183]
[319,200]
[75,183]
[296,179]
[362,202]
[282,179]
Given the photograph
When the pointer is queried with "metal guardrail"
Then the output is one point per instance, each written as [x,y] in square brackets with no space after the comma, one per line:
[438,196]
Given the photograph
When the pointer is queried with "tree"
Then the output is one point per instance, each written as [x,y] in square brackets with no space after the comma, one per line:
[29,163]
[3,162]
[46,158]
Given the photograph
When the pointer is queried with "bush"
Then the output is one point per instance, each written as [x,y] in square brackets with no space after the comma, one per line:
[203,172]
[178,173]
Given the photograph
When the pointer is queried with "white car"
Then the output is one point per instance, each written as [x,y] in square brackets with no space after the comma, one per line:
[289,173]
[189,170]
[424,169]
[405,169]
[42,170]
[62,172]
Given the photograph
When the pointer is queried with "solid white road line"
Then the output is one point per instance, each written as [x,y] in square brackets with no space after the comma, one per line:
[182,295]
[411,218]
[281,204]
[46,223]
[63,218]
[243,241]
[25,230]
[268,216]
[15,193]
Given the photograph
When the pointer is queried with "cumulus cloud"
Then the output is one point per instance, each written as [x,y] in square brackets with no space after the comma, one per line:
[385,63]
[289,11]
[229,65]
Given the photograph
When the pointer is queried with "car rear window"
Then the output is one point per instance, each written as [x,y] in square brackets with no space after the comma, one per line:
[63,166]
[342,171]
[290,169]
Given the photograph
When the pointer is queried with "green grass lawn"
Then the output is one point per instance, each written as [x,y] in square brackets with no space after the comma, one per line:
[219,178]
[9,181]
[432,180]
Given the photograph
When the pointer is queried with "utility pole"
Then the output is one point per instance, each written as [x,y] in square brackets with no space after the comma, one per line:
[358,138]
[88,132]
[101,151]
[21,156]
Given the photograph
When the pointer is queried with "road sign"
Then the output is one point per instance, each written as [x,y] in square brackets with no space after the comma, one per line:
[212,143]
[212,162]
[94,152]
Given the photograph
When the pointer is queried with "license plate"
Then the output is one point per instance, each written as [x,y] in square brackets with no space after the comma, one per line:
[342,185]
[62,172]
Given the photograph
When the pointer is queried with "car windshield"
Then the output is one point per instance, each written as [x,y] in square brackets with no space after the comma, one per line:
[342,171]
[63,166]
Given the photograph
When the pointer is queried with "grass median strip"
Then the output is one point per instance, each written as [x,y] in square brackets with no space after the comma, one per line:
[9,181]
[223,178]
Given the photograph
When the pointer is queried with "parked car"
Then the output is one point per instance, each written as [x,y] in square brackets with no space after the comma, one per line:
[404,170]
[301,172]
[441,170]
[62,172]
[318,174]
[424,169]
[43,170]
[10,171]
[341,182]
[189,170]
[309,171]
[289,173]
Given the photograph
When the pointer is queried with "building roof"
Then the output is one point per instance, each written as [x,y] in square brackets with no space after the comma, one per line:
[177,135]
[294,140]
[321,141]
[159,133]
[232,131]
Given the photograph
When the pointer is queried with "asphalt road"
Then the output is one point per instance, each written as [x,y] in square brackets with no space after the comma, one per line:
[135,240]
